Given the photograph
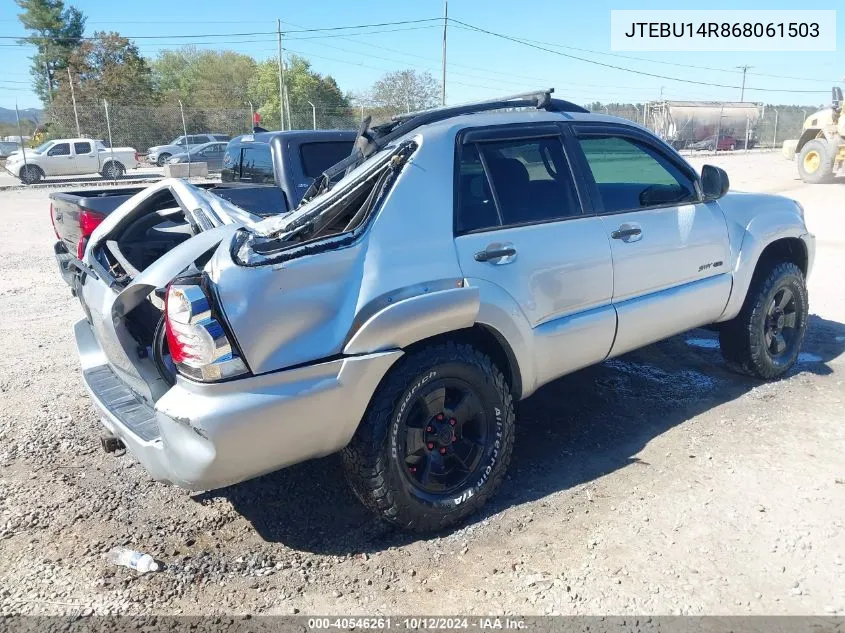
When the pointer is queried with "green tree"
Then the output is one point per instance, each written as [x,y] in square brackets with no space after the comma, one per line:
[303,85]
[108,66]
[55,31]
[212,79]
[406,91]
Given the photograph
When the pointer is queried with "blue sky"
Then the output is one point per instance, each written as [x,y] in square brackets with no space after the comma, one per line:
[478,65]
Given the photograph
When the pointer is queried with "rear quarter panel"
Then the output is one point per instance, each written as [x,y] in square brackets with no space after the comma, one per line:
[306,309]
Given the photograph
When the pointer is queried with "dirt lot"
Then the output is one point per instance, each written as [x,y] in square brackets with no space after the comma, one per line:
[655,483]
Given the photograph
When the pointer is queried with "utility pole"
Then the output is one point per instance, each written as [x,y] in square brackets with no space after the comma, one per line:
[445,24]
[73,98]
[744,70]
[281,77]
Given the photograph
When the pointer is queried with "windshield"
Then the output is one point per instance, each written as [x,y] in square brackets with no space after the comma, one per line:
[42,147]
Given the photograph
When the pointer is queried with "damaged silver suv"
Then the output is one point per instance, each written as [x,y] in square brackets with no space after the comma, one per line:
[458,260]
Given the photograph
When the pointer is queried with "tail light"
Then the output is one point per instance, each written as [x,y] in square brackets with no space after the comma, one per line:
[199,346]
[137,157]
[88,221]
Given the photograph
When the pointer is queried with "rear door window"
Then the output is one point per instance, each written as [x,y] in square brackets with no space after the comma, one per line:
[82,148]
[219,137]
[516,182]
[317,157]
[630,174]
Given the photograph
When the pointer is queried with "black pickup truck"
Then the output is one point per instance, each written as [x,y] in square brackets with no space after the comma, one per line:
[265,173]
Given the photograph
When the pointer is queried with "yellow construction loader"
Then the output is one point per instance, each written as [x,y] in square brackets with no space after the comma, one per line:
[820,151]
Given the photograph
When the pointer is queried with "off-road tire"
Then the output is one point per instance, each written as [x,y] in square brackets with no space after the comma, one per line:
[113,170]
[824,172]
[742,340]
[162,158]
[372,461]
[31,174]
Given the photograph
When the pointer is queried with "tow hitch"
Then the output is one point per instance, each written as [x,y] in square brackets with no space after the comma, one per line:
[112,444]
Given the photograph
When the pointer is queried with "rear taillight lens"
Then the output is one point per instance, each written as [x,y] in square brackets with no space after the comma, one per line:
[137,157]
[88,221]
[197,341]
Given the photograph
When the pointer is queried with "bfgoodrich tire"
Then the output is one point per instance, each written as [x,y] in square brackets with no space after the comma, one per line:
[765,338]
[435,441]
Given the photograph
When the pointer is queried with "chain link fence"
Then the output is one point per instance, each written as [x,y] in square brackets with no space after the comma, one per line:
[142,127]
[686,125]
[714,126]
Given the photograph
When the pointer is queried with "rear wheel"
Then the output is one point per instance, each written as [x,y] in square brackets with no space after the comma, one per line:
[815,162]
[31,174]
[765,338]
[436,439]
[113,170]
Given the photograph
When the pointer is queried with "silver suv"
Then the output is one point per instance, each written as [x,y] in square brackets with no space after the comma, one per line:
[457,261]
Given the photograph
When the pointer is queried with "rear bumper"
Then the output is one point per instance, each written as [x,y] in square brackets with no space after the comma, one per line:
[206,436]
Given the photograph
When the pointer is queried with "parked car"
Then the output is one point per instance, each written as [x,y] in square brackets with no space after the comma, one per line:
[467,257]
[160,154]
[209,153]
[726,143]
[7,148]
[70,157]
[290,160]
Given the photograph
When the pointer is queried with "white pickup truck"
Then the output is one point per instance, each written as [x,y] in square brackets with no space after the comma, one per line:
[71,157]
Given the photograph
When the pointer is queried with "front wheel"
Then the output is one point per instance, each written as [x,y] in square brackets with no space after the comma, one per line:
[31,174]
[765,338]
[435,441]
[162,159]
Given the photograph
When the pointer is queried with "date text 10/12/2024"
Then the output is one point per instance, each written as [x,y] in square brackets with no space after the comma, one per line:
[483,623]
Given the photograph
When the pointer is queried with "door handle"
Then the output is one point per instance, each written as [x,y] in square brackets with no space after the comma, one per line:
[621,234]
[496,253]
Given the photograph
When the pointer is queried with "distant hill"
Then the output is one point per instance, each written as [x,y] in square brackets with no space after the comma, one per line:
[7,115]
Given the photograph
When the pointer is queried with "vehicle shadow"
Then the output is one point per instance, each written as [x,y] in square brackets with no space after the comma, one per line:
[572,431]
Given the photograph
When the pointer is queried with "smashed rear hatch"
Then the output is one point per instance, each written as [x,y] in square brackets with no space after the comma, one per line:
[118,295]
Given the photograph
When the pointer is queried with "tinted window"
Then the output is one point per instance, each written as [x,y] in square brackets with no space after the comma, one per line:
[60,149]
[531,180]
[257,164]
[476,208]
[317,157]
[197,140]
[632,175]
[82,148]
[219,137]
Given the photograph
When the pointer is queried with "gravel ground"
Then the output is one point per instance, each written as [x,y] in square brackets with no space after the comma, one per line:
[655,483]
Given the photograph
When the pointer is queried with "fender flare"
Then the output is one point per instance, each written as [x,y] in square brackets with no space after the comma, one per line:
[415,318]
[759,235]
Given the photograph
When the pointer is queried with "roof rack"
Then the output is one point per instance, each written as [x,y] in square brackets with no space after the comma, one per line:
[370,140]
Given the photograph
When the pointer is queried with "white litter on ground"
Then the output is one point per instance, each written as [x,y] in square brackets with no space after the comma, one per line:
[704,343]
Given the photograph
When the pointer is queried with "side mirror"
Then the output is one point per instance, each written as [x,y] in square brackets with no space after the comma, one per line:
[714,182]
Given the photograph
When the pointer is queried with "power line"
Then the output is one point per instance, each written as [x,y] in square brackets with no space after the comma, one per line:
[622,68]
[183,35]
